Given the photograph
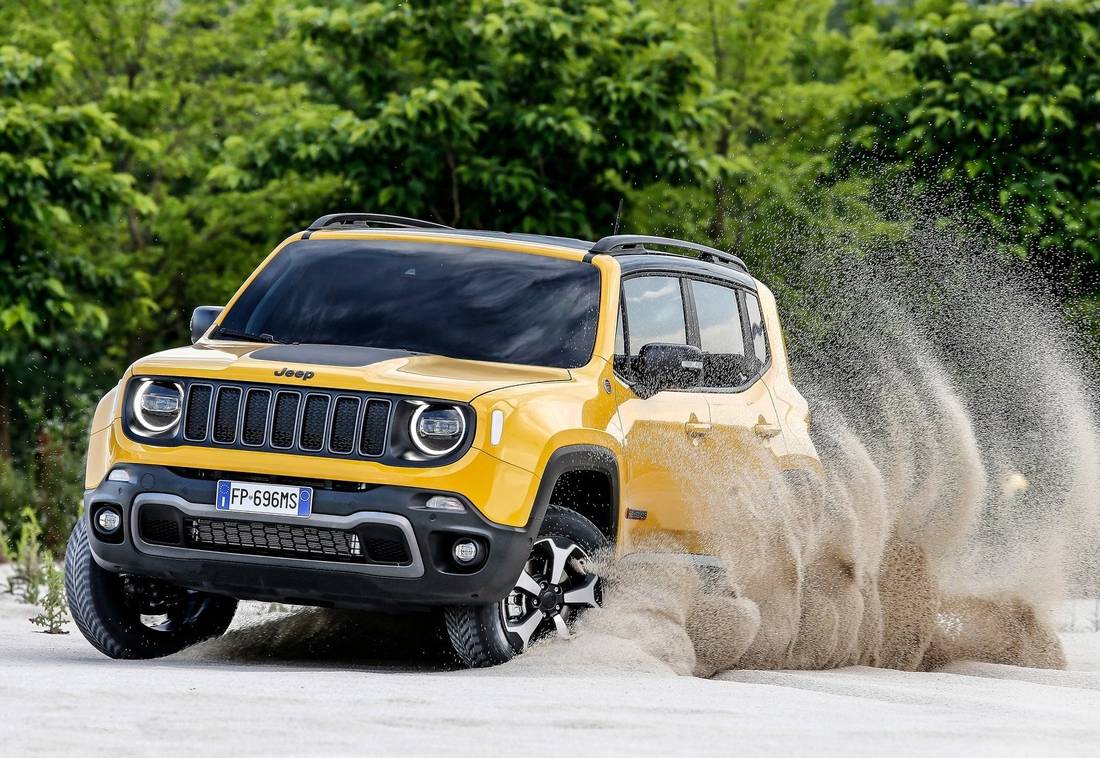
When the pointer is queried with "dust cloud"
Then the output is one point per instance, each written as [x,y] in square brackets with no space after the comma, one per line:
[952,411]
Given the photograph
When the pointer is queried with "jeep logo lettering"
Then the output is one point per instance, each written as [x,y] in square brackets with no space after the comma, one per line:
[305,376]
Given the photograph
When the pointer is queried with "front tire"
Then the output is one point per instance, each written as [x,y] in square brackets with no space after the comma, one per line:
[126,616]
[553,588]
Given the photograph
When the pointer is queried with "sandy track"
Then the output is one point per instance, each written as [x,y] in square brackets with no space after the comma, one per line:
[58,695]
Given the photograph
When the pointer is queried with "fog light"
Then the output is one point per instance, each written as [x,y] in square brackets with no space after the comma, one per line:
[445,503]
[119,475]
[108,521]
[465,552]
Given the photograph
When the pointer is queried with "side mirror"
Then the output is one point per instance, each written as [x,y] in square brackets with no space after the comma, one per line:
[202,318]
[661,367]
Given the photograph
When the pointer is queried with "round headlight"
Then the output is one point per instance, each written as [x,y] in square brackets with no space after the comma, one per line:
[437,429]
[158,406]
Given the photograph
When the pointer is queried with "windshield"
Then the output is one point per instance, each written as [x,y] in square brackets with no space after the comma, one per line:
[455,301]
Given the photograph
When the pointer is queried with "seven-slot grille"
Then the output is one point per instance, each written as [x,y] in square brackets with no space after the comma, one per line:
[308,422]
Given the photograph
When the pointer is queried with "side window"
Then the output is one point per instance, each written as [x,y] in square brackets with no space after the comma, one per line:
[654,312]
[720,335]
[756,328]
[719,318]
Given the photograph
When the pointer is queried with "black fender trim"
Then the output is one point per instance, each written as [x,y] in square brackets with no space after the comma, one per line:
[576,458]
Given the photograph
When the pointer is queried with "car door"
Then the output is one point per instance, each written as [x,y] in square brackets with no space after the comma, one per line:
[746,434]
[665,435]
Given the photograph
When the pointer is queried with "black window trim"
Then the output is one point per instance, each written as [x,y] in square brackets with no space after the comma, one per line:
[691,323]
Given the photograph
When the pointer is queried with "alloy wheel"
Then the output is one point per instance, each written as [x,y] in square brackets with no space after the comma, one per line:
[552,589]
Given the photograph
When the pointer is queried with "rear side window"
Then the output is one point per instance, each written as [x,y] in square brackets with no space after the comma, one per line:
[654,312]
[756,329]
[719,318]
[721,335]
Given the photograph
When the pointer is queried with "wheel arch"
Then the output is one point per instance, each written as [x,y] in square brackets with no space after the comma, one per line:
[584,471]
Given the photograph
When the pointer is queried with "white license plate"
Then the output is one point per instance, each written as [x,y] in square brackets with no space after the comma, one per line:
[275,499]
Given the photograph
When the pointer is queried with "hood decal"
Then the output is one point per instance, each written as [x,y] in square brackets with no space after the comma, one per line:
[328,355]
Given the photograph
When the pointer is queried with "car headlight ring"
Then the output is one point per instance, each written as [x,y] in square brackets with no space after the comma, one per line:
[157,406]
[437,429]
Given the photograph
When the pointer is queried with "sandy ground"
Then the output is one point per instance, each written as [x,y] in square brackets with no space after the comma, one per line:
[58,695]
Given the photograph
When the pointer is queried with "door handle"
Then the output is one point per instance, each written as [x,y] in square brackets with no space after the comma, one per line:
[696,429]
[766,431]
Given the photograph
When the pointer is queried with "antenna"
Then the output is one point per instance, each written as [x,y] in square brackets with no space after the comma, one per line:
[618,217]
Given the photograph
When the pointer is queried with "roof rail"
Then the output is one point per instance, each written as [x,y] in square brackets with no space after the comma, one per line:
[380,219]
[634,244]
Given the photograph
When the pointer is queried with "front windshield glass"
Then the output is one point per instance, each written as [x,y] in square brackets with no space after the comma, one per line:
[455,301]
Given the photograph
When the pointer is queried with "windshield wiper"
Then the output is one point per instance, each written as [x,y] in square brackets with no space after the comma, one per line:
[239,334]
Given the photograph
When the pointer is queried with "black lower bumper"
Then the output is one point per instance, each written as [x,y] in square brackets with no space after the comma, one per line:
[426,575]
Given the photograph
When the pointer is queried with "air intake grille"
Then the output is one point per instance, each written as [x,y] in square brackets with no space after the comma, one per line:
[197,423]
[345,415]
[287,540]
[285,419]
[314,418]
[254,428]
[161,524]
[315,422]
[385,544]
[372,440]
[226,409]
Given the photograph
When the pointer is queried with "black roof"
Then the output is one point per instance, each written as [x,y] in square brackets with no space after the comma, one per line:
[682,264]
[630,250]
[576,244]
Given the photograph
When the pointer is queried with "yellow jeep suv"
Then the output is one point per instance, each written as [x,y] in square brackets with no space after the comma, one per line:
[392,414]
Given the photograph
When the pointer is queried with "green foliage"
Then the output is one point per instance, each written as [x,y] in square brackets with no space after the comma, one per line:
[55,173]
[793,69]
[5,543]
[55,611]
[1003,119]
[485,113]
[26,580]
[57,187]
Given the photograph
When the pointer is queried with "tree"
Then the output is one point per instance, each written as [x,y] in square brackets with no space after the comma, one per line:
[483,113]
[792,69]
[1003,119]
[178,78]
[55,177]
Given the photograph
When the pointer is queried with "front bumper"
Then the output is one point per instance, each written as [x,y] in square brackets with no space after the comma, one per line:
[425,577]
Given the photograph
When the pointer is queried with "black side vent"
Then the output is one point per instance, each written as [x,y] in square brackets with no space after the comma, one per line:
[254,429]
[314,418]
[284,420]
[345,415]
[226,410]
[385,544]
[161,524]
[196,425]
[372,440]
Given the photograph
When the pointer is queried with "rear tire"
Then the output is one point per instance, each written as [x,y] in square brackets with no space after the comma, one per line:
[108,608]
[546,600]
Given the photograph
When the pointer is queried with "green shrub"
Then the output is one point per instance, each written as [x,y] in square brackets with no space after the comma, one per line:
[5,543]
[55,613]
[26,581]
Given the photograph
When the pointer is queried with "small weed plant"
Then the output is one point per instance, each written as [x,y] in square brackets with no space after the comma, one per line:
[55,614]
